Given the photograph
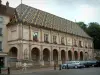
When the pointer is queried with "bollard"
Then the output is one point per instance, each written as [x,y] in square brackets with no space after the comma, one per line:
[8,70]
[60,67]
[0,70]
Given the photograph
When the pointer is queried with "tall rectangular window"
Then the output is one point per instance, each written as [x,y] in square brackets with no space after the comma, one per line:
[35,36]
[75,42]
[80,43]
[0,45]
[0,31]
[46,38]
[62,40]
[54,39]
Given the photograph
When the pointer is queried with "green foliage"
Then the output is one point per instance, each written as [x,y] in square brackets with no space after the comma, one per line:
[93,29]
[82,25]
[94,32]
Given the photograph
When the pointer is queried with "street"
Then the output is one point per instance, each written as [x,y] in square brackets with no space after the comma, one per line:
[84,71]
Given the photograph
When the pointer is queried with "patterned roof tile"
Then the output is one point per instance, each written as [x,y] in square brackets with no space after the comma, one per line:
[41,18]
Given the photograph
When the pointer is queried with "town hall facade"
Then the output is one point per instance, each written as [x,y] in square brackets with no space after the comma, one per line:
[45,39]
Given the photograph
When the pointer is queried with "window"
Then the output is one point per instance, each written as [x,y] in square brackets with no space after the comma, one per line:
[46,38]
[62,40]
[85,45]
[75,43]
[0,31]
[35,36]
[54,39]
[1,20]
[0,46]
[80,43]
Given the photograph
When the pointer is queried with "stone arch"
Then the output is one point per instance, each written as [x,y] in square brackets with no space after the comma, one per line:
[46,54]
[55,55]
[35,54]
[69,55]
[13,52]
[63,56]
[86,55]
[81,55]
[76,55]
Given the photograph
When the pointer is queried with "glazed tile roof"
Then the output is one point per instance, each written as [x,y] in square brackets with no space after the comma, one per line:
[44,19]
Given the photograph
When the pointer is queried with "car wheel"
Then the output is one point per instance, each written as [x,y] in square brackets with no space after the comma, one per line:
[76,67]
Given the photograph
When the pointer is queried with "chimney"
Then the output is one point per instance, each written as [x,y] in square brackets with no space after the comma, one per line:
[7,4]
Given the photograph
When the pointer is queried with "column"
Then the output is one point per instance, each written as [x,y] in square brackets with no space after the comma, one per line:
[51,58]
[41,57]
[73,57]
[5,61]
[30,42]
[78,55]
[66,56]
[20,31]
[19,55]
[59,58]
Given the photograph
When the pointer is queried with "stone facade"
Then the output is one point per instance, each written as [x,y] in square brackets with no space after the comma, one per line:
[45,39]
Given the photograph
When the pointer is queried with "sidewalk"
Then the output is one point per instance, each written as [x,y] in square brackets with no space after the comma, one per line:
[31,70]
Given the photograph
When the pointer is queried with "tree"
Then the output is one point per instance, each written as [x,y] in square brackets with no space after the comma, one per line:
[94,31]
[82,25]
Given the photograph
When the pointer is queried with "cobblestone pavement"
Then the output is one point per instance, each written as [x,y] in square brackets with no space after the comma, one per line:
[85,71]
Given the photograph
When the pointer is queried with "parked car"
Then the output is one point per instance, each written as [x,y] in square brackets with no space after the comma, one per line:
[92,63]
[85,63]
[72,64]
[64,66]
[97,63]
[88,64]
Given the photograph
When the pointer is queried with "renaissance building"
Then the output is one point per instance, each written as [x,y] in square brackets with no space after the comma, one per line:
[45,39]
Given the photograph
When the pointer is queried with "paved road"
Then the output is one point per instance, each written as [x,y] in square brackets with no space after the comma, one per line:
[85,71]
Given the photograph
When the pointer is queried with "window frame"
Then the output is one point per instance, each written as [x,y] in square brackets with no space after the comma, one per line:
[54,39]
[62,41]
[46,38]
[34,38]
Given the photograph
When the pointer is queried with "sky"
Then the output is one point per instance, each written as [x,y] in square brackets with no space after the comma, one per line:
[75,10]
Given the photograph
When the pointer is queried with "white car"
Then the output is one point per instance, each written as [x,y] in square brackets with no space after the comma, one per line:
[72,64]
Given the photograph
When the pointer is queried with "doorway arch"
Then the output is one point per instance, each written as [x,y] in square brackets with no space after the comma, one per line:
[63,56]
[69,55]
